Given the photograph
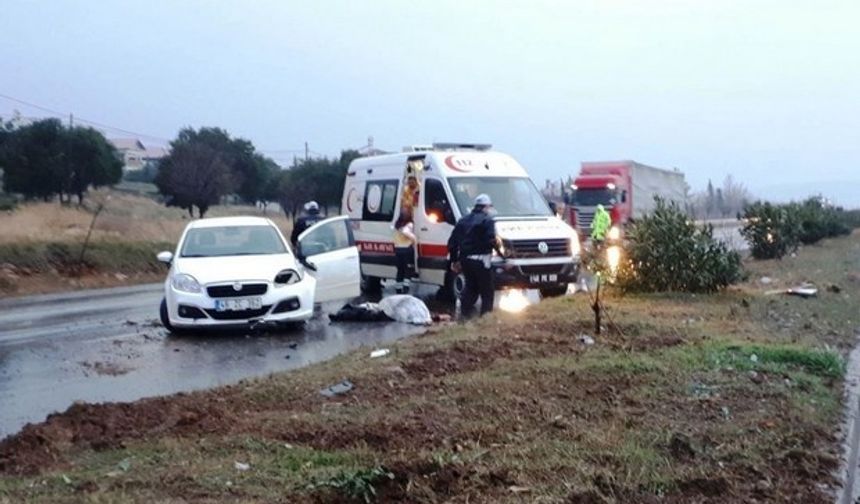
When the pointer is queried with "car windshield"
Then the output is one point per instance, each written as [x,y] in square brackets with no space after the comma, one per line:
[232,241]
[593,197]
[511,196]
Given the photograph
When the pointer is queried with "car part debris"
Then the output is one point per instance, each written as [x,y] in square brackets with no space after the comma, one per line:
[803,291]
[382,352]
[586,340]
[241,466]
[337,389]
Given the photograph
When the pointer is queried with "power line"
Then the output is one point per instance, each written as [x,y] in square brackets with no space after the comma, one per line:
[81,119]
[63,115]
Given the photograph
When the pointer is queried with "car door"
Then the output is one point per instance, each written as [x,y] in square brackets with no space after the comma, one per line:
[329,248]
[434,221]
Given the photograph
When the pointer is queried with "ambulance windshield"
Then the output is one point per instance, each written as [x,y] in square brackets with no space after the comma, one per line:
[512,196]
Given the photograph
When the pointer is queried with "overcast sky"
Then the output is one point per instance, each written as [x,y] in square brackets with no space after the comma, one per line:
[768,91]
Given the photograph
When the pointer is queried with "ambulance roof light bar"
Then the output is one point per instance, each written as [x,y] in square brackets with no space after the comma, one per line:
[417,148]
[461,146]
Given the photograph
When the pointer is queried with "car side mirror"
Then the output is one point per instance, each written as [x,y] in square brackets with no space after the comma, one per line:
[165,257]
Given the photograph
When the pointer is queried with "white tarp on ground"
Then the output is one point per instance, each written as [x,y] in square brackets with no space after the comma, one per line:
[406,308]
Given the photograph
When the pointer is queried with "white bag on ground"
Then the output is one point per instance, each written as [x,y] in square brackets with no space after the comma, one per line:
[406,308]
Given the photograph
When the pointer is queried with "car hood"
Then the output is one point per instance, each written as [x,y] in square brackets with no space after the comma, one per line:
[209,270]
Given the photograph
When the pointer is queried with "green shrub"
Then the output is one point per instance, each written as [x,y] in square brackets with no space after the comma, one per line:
[665,251]
[771,230]
[850,218]
[818,220]
[775,230]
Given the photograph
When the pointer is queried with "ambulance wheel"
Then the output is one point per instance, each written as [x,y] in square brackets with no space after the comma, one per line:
[371,284]
[556,291]
[455,284]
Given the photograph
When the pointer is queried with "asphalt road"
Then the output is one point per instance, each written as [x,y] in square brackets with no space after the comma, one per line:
[107,345]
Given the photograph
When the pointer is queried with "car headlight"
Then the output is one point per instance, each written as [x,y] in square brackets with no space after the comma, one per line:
[185,283]
[288,277]
[614,233]
[574,245]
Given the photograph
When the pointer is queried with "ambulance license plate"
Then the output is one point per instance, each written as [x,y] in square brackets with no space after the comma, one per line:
[238,304]
[540,279]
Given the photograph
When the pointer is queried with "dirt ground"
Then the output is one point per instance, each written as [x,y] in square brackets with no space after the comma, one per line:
[128,224]
[734,397]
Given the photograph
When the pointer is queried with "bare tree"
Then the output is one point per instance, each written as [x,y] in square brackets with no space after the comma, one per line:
[735,196]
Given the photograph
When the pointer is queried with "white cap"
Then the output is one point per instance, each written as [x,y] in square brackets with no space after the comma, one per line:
[483,200]
[311,205]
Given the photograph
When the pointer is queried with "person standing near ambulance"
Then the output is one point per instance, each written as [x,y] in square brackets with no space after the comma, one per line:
[310,217]
[470,248]
[404,250]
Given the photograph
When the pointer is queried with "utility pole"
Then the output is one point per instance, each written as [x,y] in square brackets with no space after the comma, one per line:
[307,155]
[71,120]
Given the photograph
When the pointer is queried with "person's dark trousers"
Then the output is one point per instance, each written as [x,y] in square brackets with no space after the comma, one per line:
[479,283]
[405,259]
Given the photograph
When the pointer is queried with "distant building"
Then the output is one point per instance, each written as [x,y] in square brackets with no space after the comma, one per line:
[135,156]
[19,121]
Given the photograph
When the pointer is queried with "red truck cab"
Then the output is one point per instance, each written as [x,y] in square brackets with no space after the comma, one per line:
[603,183]
[626,189]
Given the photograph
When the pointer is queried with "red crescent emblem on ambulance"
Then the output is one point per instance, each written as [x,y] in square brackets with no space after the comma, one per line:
[465,165]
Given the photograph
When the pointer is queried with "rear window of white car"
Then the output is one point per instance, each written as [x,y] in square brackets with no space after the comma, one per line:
[232,241]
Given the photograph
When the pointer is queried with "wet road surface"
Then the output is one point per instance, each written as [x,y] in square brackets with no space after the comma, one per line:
[107,345]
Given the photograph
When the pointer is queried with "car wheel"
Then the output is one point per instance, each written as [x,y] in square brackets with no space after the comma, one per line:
[165,320]
[559,290]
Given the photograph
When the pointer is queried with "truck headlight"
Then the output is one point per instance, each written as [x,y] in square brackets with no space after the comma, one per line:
[614,233]
[288,277]
[574,245]
[185,283]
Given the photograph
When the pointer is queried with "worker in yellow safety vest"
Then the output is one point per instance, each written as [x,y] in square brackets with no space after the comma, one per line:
[601,224]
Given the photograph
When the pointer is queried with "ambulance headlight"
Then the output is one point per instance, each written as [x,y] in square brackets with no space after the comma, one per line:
[574,245]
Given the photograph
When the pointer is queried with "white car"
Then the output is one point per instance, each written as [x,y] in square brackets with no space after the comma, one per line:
[240,271]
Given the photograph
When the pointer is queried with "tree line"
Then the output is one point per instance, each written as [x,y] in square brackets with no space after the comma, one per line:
[204,167]
[726,201]
[47,159]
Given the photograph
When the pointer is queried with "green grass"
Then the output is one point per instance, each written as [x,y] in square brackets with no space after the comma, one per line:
[779,359]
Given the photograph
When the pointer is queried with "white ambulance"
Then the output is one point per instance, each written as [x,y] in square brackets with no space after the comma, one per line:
[541,251]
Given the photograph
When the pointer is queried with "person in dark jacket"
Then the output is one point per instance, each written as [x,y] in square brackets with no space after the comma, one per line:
[306,220]
[470,248]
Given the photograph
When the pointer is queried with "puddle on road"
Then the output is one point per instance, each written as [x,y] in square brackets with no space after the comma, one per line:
[145,361]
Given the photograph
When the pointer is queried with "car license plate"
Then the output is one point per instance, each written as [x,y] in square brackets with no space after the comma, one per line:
[238,304]
[539,279]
